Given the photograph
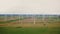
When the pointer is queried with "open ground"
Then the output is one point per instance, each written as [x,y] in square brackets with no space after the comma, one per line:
[27,26]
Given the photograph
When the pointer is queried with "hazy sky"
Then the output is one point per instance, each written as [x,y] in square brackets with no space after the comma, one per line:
[30,6]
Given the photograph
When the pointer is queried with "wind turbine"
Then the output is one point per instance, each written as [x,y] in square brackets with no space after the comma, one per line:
[45,20]
[34,19]
[5,17]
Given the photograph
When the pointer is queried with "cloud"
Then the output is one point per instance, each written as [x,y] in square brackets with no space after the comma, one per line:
[30,6]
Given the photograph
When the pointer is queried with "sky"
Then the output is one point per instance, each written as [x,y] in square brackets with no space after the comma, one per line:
[29,6]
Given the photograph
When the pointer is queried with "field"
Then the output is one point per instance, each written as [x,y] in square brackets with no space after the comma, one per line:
[25,25]
[29,30]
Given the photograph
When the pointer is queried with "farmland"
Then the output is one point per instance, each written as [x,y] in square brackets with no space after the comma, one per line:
[29,24]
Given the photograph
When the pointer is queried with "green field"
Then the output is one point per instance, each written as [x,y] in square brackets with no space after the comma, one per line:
[25,25]
[29,30]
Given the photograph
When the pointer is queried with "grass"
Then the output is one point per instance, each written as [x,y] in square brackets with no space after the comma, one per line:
[3,22]
[55,30]
[29,30]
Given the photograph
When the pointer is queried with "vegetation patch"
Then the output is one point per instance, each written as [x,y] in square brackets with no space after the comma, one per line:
[29,30]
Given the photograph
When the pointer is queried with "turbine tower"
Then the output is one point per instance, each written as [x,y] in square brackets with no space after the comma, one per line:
[34,19]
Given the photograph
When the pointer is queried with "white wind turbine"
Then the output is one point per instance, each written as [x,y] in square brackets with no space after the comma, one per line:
[5,17]
[34,19]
